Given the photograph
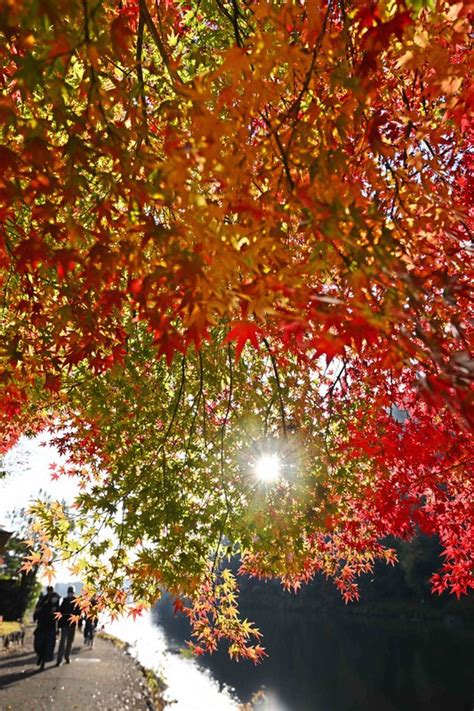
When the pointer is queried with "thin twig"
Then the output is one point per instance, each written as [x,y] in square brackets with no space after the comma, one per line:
[176,405]
[196,404]
[278,383]
[141,82]
[222,461]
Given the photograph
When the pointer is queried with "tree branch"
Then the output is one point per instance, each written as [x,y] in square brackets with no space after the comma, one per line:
[148,20]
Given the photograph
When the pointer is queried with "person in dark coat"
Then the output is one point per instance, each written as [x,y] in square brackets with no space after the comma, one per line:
[46,626]
[67,627]
[43,596]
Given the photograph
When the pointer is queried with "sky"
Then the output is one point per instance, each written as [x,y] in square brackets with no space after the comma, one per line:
[29,477]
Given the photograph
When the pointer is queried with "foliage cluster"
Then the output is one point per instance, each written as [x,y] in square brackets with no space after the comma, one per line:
[228,228]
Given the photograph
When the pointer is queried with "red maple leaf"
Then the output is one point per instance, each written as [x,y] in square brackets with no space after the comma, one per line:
[178,606]
[242,332]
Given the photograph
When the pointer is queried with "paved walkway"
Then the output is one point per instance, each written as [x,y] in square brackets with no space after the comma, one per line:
[102,678]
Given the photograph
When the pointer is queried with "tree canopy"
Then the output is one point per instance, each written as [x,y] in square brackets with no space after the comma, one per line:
[233,229]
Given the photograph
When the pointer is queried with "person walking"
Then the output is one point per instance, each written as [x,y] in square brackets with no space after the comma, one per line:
[67,626]
[46,627]
[89,631]
[42,596]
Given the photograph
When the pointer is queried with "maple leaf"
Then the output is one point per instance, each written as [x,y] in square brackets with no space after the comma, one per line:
[168,344]
[122,36]
[136,611]
[52,382]
[243,331]
[178,606]
[330,346]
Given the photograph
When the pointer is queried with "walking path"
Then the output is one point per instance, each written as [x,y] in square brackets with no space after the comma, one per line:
[102,678]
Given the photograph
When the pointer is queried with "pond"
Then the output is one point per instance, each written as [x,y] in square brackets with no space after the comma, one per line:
[321,662]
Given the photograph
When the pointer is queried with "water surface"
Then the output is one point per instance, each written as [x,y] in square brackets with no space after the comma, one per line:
[335,662]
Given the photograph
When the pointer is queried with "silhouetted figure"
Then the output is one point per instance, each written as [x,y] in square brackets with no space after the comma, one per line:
[66,627]
[44,595]
[89,631]
[46,626]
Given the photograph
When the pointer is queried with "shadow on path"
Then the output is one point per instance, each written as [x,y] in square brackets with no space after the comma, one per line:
[23,660]
[11,679]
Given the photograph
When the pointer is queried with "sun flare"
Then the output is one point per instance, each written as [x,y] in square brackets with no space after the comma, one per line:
[267,467]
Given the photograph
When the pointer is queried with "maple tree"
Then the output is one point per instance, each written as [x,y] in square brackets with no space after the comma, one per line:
[232,228]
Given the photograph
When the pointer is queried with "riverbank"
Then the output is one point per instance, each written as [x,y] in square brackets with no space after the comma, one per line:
[104,678]
[190,687]
[156,686]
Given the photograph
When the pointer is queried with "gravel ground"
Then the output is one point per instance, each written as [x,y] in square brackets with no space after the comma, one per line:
[103,678]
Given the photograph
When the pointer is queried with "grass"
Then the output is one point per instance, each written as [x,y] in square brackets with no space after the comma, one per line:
[156,687]
[115,640]
[9,627]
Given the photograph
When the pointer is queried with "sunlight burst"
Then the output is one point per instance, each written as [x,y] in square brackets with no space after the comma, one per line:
[267,467]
